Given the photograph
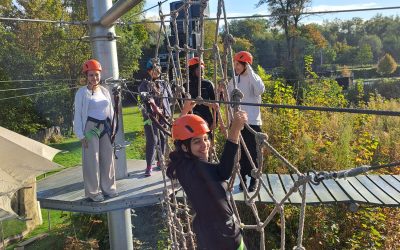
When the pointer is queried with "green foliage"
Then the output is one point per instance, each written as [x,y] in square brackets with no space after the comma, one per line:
[364,55]
[308,61]
[369,223]
[133,38]
[386,65]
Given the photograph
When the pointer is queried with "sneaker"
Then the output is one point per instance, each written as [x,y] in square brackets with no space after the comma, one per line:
[148,171]
[241,187]
[253,184]
[97,198]
[112,195]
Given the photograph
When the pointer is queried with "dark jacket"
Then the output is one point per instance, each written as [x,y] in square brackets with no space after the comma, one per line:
[206,188]
[163,103]
[207,93]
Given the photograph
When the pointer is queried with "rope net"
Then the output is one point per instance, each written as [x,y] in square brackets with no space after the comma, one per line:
[175,203]
[177,210]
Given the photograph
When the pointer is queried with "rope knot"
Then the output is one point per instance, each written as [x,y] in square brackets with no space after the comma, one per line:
[256,174]
[176,47]
[229,40]
[261,138]
[179,89]
[186,48]
[236,95]
[169,48]
[199,100]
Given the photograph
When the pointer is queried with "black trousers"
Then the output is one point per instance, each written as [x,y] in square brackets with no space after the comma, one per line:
[250,140]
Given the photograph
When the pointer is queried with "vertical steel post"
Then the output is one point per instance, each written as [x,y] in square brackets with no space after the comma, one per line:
[104,49]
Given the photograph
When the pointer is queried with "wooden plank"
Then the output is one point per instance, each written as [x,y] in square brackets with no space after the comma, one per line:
[22,245]
[375,190]
[311,197]
[392,181]
[389,190]
[350,191]
[335,191]
[277,189]
[287,183]
[396,177]
[363,191]
[263,193]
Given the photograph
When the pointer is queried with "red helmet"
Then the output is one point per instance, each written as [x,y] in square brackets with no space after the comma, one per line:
[188,126]
[91,64]
[243,56]
[194,61]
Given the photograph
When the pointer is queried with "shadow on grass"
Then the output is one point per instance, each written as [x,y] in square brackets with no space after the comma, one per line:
[67,146]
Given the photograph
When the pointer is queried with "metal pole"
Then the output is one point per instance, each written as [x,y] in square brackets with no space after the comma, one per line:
[104,49]
[48,220]
[3,245]
[117,10]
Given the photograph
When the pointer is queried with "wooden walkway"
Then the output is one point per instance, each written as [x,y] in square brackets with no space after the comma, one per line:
[64,190]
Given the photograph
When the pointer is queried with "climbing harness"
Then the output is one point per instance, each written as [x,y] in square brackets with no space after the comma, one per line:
[96,130]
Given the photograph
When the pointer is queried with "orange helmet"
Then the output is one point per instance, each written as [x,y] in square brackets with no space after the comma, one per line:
[188,126]
[243,56]
[194,61]
[91,64]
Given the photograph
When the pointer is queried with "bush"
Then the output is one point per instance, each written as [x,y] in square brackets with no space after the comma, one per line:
[386,65]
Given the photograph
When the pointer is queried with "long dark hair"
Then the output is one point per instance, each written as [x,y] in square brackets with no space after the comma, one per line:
[192,71]
[177,156]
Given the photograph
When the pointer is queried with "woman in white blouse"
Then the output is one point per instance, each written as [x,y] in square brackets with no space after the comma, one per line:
[92,125]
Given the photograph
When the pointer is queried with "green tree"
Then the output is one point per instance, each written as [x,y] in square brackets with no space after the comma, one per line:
[391,44]
[287,14]
[251,29]
[129,46]
[386,65]
[364,55]
[374,42]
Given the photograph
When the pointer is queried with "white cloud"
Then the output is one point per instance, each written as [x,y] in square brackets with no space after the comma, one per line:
[343,7]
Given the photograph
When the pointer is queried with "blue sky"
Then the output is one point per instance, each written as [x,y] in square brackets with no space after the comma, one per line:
[247,7]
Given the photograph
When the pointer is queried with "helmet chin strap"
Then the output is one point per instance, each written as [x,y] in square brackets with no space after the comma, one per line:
[94,86]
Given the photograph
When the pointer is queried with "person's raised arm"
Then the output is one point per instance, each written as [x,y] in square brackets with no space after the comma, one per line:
[239,119]
[227,159]
[187,107]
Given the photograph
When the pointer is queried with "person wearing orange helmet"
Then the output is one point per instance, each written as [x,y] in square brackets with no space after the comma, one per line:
[156,111]
[92,125]
[205,183]
[252,87]
[205,111]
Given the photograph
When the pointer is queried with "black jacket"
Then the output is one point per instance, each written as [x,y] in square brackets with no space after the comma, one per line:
[207,93]
[206,188]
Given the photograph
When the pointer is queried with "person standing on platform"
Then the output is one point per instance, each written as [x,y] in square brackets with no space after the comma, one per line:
[156,112]
[205,183]
[252,87]
[205,111]
[92,125]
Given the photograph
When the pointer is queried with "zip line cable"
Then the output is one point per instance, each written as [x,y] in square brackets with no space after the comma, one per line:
[39,80]
[61,22]
[27,88]
[39,93]
[299,107]
[150,8]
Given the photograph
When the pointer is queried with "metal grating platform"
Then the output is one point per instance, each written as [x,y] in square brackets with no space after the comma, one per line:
[64,190]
